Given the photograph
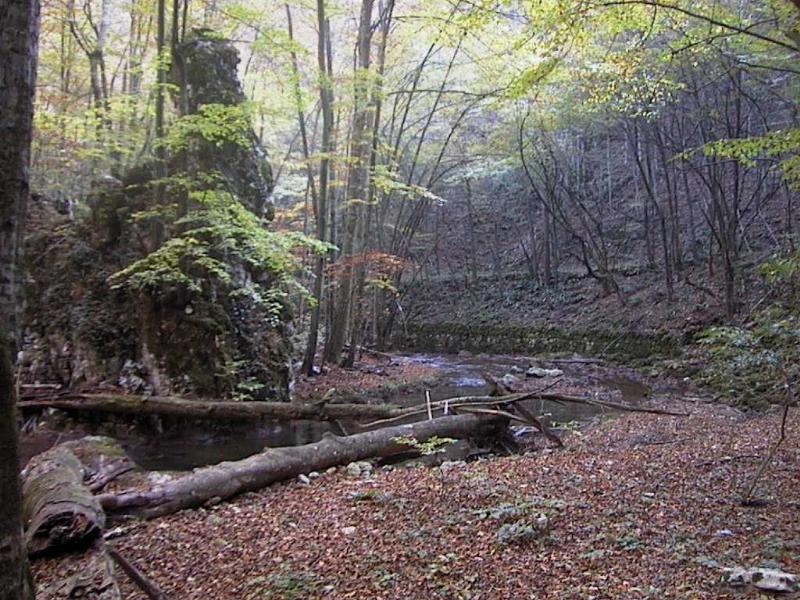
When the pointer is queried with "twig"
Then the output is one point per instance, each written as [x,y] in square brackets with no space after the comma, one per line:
[146,584]
[474,410]
[536,422]
[572,361]
[727,459]
[789,401]
[663,442]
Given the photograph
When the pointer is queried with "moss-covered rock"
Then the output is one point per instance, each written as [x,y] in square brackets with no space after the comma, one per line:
[204,314]
[206,72]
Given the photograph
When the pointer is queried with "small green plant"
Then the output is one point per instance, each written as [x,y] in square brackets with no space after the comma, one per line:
[215,123]
[383,577]
[518,533]
[433,445]
[522,521]
[291,585]
[214,240]
[246,390]
[372,496]
[507,511]
[752,364]
[749,365]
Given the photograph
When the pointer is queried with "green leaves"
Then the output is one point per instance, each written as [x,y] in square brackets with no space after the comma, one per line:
[782,145]
[217,236]
[433,445]
[215,123]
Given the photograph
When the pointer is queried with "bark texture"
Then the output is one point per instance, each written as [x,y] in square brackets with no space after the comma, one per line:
[92,579]
[19,25]
[223,411]
[59,511]
[15,579]
[219,482]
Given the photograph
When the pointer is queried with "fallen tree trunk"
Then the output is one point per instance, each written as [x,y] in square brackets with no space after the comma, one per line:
[204,409]
[320,411]
[222,481]
[59,511]
[92,576]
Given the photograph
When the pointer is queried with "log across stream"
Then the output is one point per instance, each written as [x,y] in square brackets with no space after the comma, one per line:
[175,443]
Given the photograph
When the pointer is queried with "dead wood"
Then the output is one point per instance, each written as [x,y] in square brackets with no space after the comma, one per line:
[219,482]
[59,511]
[205,409]
[94,578]
[147,585]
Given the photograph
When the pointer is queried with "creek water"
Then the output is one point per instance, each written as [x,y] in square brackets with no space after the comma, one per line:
[178,445]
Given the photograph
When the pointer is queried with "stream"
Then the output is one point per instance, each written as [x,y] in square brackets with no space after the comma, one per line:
[162,444]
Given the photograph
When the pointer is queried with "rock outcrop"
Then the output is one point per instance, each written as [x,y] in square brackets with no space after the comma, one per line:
[208,332]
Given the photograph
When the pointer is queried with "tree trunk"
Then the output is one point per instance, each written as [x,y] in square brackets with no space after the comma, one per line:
[222,481]
[321,208]
[357,187]
[222,411]
[59,511]
[19,28]
[15,579]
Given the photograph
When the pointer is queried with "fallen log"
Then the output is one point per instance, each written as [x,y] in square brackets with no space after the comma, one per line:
[59,511]
[219,482]
[92,576]
[320,411]
[103,460]
[204,409]
[621,406]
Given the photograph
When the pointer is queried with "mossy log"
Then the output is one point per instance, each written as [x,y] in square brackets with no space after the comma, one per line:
[219,482]
[58,510]
[204,409]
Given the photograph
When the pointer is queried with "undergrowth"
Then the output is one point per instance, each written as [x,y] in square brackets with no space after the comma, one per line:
[751,365]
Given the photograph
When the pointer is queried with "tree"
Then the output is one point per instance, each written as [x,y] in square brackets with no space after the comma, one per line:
[320,199]
[19,25]
[357,184]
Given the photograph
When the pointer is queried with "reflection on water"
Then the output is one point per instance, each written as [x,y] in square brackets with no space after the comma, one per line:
[176,445]
[178,449]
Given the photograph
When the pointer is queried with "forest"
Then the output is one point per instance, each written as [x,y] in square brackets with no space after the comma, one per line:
[377,299]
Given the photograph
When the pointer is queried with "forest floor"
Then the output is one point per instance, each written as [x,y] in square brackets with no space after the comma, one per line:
[638,506]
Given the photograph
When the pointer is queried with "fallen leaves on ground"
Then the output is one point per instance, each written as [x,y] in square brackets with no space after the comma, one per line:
[639,506]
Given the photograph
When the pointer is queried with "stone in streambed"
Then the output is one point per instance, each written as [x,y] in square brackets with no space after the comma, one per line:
[511,382]
[539,372]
